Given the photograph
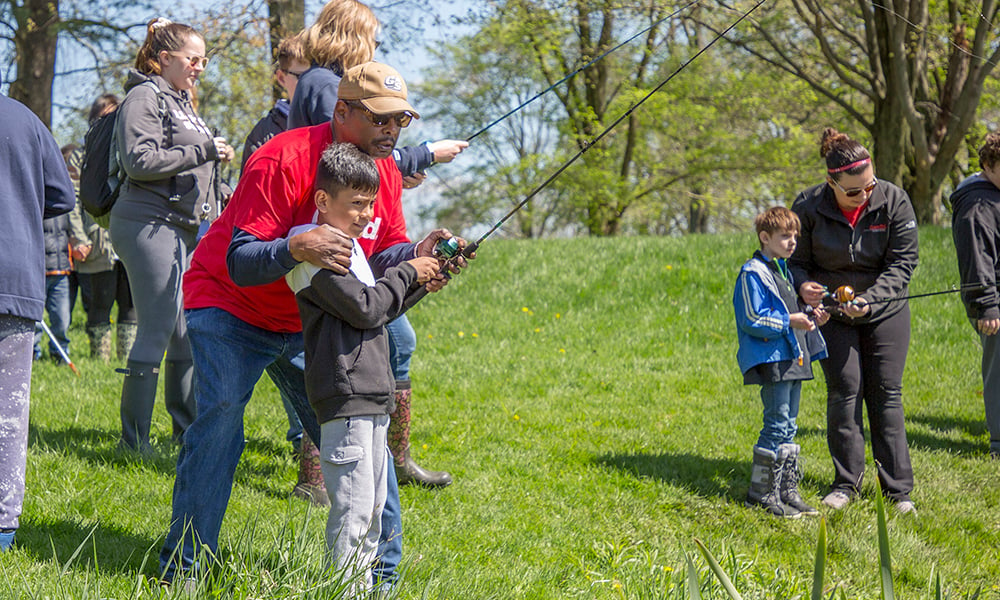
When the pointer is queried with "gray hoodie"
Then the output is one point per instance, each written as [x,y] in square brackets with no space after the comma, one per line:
[171,182]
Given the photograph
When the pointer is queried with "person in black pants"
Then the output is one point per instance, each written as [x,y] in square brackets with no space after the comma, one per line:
[861,232]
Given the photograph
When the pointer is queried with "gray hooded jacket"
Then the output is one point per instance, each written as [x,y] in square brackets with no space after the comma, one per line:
[167,181]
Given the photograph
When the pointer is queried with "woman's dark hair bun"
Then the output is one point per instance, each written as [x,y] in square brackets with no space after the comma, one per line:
[830,139]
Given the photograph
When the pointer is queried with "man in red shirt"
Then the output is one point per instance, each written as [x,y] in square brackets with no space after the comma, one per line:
[242,317]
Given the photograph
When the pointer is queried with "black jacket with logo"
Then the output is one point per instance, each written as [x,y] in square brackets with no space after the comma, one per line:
[876,257]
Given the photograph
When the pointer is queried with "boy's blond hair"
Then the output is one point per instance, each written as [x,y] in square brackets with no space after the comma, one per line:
[777,218]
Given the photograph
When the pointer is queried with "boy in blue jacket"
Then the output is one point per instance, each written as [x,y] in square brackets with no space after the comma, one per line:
[777,343]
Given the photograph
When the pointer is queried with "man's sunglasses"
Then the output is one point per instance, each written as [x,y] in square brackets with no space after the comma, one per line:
[402,118]
[851,193]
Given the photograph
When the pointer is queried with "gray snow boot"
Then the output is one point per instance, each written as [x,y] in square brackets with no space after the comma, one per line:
[765,485]
[138,396]
[791,475]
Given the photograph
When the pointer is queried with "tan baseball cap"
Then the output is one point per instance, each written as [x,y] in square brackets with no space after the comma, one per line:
[378,87]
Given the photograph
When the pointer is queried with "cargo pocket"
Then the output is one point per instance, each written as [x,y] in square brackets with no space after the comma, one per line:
[343,455]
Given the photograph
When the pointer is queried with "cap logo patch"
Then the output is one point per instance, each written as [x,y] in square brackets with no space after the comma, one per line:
[394,83]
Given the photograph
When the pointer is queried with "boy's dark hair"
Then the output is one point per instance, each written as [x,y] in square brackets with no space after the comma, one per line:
[344,166]
[777,218]
[989,153]
[101,107]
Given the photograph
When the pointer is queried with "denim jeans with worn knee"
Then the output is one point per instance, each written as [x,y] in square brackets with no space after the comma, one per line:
[229,355]
[781,407]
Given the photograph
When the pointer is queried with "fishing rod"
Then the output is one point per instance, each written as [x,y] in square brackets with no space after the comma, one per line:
[449,248]
[567,77]
[845,293]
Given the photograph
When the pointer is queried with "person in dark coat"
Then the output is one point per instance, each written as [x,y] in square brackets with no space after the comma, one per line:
[975,227]
[860,231]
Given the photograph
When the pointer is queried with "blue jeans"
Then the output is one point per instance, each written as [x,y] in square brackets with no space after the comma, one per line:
[229,355]
[781,407]
[402,345]
[57,306]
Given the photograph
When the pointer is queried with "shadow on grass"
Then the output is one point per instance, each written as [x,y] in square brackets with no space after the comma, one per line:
[918,437]
[707,477]
[109,549]
[100,447]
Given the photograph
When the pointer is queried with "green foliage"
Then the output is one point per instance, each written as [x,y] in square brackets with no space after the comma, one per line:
[585,396]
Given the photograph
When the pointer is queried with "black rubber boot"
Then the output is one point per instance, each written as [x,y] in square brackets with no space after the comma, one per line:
[765,485]
[791,475]
[178,394]
[138,396]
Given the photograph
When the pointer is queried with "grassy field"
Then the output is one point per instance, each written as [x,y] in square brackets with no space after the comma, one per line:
[585,396]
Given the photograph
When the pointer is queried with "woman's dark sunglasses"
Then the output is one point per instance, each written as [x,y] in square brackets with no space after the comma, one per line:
[851,193]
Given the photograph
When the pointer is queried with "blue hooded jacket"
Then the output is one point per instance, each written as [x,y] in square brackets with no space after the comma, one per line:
[34,184]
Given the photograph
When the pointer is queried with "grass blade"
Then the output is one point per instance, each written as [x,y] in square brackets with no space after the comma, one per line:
[694,587]
[884,563]
[719,573]
[820,567]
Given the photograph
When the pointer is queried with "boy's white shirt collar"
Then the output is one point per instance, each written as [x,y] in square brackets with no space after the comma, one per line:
[301,276]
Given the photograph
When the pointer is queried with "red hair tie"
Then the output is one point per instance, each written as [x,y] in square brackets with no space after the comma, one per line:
[862,162]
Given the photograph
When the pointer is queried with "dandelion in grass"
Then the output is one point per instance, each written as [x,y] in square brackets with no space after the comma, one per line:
[517,417]
[562,351]
[424,446]
[538,329]
[525,309]
[430,337]
[558,316]
[461,334]
[668,268]
[475,335]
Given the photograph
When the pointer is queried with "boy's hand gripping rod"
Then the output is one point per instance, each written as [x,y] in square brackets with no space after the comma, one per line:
[449,248]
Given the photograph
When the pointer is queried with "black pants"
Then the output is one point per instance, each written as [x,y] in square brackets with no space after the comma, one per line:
[866,363]
[102,290]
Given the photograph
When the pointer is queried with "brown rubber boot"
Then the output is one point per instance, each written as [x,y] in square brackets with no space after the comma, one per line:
[407,471]
[310,484]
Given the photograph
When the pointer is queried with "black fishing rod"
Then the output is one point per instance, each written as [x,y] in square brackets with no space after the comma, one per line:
[845,293]
[449,248]
[567,77]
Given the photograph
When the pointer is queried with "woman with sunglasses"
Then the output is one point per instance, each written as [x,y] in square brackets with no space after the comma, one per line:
[862,232]
[168,155]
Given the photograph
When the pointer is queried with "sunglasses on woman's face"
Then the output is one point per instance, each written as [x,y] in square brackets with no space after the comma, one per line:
[851,193]
[194,61]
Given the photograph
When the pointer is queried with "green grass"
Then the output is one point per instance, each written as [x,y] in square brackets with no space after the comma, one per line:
[585,396]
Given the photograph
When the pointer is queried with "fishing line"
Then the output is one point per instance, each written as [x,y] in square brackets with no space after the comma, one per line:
[567,77]
[449,248]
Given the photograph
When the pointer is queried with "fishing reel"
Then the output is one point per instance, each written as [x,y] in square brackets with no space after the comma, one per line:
[446,248]
[842,295]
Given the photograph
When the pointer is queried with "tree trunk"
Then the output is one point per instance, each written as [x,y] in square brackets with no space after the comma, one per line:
[286,18]
[35,45]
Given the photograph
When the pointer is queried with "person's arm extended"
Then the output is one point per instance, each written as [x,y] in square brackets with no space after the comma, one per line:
[252,261]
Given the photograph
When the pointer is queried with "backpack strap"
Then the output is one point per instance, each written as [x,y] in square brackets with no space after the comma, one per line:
[161,105]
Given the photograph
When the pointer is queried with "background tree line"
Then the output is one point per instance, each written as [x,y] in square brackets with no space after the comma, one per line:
[735,131]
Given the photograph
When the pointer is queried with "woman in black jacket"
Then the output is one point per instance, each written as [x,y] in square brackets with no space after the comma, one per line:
[860,231]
